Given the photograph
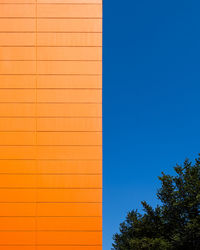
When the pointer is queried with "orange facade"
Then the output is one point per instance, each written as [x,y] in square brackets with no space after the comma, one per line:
[50,124]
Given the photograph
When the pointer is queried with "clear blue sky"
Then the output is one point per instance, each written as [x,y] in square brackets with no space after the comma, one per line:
[151,99]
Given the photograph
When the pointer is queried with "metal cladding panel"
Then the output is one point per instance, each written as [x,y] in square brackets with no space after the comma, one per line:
[51,124]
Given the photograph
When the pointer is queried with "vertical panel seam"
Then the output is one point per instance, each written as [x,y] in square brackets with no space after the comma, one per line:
[36,163]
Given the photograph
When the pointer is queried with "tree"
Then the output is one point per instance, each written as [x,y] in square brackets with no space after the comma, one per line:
[175,224]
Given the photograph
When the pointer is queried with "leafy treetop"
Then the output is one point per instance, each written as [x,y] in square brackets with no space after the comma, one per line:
[175,224]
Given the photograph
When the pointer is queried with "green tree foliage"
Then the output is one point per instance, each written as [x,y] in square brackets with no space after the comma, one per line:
[175,224]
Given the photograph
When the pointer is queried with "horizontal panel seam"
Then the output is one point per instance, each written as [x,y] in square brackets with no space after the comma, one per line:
[77,216]
[51,131]
[53,17]
[62,188]
[51,3]
[52,88]
[49,46]
[52,60]
[51,202]
[37,230]
[51,74]
[51,174]
[52,159]
[54,32]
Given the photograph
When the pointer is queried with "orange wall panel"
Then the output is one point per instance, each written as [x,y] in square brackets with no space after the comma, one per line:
[51,95]
[67,110]
[17,95]
[50,166]
[17,138]
[17,124]
[17,53]
[68,39]
[70,53]
[17,110]
[95,247]
[17,81]
[51,152]
[53,1]
[63,10]
[50,110]
[17,67]
[17,223]
[17,25]
[67,1]
[17,238]
[69,81]
[17,209]
[20,1]
[67,124]
[59,67]
[69,209]
[67,152]
[51,181]
[62,25]
[52,238]
[68,138]
[51,195]
[51,247]
[69,238]
[17,39]
[52,223]
[51,124]
[67,223]
[69,95]
[17,10]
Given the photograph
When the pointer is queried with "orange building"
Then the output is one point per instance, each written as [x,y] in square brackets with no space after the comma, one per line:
[50,124]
